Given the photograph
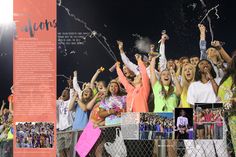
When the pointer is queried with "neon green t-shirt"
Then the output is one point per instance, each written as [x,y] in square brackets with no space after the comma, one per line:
[9,135]
[160,103]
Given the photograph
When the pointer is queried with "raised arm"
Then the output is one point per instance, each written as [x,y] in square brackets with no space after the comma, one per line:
[76,85]
[133,67]
[202,42]
[153,77]
[91,103]
[178,90]
[72,101]
[223,53]
[122,78]
[11,106]
[2,107]
[162,59]
[145,78]
[95,77]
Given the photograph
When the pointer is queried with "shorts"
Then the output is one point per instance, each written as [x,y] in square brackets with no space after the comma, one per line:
[200,127]
[208,124]
[64,140]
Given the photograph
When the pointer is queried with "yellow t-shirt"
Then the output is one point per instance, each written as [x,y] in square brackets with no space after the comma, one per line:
[183,98]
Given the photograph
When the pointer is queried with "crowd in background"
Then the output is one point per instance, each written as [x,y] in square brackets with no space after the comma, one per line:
[209,123]
[6,127]
[152,84]
[155,126]
[34,135]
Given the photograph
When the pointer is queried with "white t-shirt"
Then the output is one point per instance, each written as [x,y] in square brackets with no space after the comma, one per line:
[199,92]
[64,118]
[182,121]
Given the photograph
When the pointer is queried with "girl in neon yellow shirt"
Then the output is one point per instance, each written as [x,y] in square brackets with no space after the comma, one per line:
[188,74]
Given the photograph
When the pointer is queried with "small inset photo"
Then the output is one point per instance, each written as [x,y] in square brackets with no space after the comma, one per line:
[34,135]
[208,121]
[156,126]
[184,123]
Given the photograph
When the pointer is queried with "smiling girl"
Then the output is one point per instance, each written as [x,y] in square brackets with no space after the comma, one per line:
[114,103]
[188,74]
[138,91]
[165,94]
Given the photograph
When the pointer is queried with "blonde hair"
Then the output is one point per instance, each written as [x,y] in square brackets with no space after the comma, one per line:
[185,82]
[219,58]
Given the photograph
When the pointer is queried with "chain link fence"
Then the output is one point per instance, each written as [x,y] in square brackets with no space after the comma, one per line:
[165,148]
[6,148]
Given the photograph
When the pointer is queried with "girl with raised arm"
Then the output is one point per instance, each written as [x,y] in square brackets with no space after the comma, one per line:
[165,94]
[138,91]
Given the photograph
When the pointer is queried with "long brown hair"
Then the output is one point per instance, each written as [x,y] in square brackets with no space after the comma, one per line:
[119,93]
[170,90]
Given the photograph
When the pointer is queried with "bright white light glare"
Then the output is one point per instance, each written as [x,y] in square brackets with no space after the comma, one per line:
[6,11]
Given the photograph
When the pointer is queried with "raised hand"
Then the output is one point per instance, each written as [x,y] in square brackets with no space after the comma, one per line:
[164,37]
[217,44]
[153,57]
[75,73]
[138,57]
[70,82]
[208,75]
[120,45]
[3,103]
[118,64]
[75,94]
[101,69]
[100,94]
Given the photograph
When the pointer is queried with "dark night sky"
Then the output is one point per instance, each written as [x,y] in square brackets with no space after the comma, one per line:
[6,63]
[119,20]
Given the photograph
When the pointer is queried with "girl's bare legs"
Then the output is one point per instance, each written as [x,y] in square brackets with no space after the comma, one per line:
[206,130]
[201,131]
[212,132]
[198,133]
[209,136]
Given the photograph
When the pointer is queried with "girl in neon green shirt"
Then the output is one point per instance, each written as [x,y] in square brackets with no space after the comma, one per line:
[165,94]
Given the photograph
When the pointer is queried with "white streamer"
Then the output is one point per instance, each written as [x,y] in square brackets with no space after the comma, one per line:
[61,75]
[209,19]
[94,33]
